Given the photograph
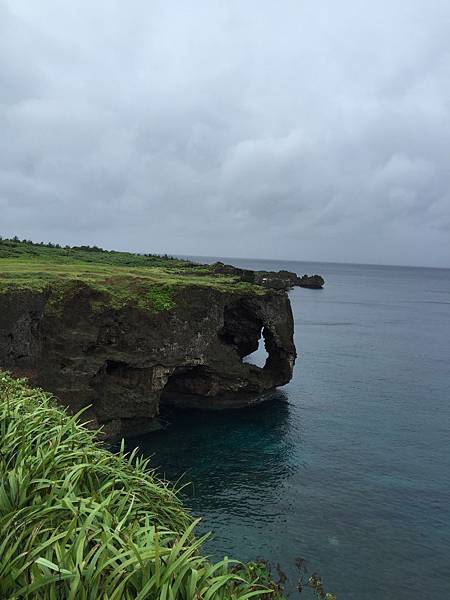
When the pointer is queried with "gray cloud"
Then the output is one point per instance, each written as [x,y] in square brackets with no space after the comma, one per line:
[316,131]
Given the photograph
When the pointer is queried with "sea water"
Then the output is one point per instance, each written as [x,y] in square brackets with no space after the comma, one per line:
[348,466]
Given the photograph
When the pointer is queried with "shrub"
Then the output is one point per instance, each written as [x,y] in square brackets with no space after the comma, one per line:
[79,522]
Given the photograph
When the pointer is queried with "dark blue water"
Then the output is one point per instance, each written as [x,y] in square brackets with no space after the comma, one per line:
[349,465]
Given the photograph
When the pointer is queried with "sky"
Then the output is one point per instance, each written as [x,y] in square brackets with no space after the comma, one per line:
[294,129]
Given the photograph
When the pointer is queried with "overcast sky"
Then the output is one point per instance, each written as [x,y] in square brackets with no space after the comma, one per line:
[292,129]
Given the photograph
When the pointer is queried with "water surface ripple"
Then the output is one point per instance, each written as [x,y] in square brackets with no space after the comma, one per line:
[349,464]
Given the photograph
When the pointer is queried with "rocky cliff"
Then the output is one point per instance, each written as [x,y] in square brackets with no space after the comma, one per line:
[125,361]
[277,280]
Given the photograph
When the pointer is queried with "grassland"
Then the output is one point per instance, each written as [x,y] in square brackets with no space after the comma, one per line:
[150,281]
[79,522]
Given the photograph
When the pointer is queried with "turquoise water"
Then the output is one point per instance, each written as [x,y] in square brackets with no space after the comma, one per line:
[349,465]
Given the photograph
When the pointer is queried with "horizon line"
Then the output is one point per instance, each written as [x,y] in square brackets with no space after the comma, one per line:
[330,262]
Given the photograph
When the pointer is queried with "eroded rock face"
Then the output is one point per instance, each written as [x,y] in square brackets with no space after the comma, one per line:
[315,282]
[279,280]
[126,362]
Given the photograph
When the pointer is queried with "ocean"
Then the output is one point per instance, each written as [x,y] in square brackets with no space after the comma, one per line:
[347,466]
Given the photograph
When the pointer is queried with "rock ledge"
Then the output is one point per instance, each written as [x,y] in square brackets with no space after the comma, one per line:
[125,362]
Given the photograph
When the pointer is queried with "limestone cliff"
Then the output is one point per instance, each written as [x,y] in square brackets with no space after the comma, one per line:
[277,280]
[126,361]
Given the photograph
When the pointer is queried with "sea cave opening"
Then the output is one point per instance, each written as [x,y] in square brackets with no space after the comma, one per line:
[244,329]
[183,382]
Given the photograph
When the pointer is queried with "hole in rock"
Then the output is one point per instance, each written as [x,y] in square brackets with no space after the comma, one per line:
[241,328]
[260,355]
[186,380]
[115,367]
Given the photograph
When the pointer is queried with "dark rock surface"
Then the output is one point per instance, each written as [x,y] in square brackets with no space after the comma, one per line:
[125,362]
[279,280]
[311,281]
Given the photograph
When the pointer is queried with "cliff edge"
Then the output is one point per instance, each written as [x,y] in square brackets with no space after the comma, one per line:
[126,338]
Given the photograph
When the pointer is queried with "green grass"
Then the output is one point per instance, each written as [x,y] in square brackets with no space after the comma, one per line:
[79,522]
[121,278]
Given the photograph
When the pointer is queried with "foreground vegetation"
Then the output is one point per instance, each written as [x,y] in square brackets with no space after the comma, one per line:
[78,522]
[150,281]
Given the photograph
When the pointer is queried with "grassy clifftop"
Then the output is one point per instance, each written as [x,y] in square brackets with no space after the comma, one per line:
[78,522]
[147,280]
